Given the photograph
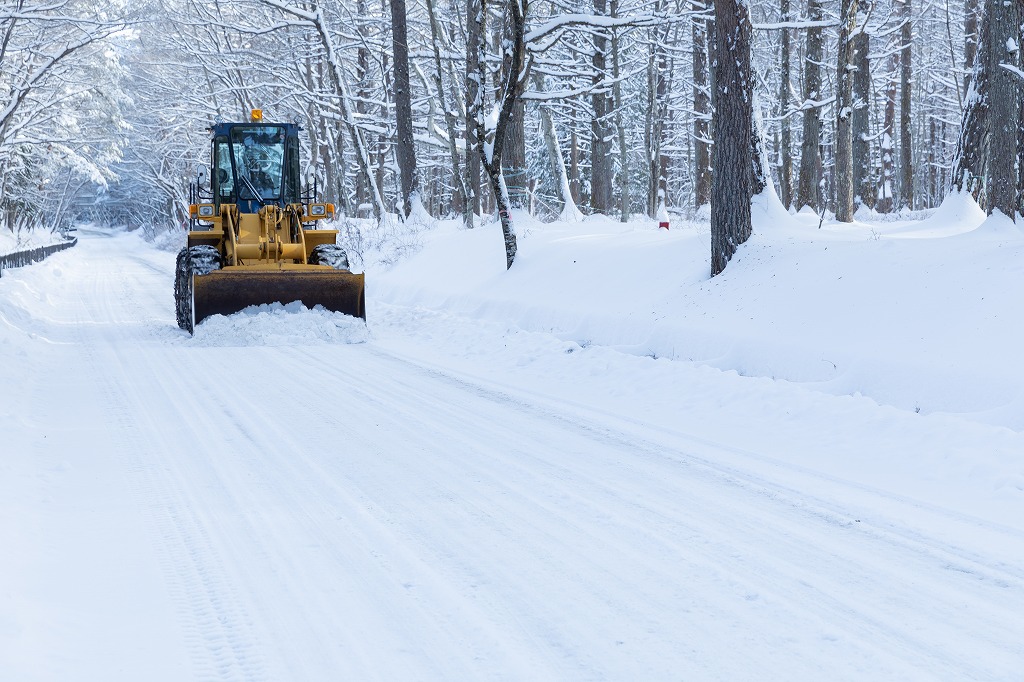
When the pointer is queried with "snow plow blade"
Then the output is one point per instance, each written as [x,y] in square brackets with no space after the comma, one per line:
[223,292]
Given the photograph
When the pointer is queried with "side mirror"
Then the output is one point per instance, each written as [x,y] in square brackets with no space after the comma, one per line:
[203,175]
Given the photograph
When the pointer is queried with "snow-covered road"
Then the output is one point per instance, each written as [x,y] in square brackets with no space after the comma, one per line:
[178,509]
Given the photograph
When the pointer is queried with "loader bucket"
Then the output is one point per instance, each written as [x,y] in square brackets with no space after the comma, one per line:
[223,292]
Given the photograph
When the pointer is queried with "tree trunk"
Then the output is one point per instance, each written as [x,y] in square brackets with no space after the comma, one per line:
[574,166]
[886,200]
[657,121]
[363,180]
[844,111]
[514,164]
[701,114]
[1002,88]
[493,137]
[863,183]
[906,148]
[760,175]
[971,10]
[731,122]
[968,162]
[623,175]
[809,189]
[475,42]
[786,147]
[600,144]
[405,147]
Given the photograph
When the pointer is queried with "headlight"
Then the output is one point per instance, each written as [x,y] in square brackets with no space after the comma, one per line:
[206,210]
[318,210]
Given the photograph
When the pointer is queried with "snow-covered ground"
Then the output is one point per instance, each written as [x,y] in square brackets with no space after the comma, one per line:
[600,465]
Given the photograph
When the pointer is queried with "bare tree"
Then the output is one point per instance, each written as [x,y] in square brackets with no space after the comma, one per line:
[492,131]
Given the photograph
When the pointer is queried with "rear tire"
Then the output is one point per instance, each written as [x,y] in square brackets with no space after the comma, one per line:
[329,254]
[193,260]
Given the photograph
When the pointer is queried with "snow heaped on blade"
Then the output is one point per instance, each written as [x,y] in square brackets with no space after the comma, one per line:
[600,464]
[280,325]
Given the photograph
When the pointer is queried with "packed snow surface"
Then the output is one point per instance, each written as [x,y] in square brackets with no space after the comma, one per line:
[599,465]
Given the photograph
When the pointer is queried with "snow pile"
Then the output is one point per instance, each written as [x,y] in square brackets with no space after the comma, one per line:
[279,325]
[23,240]
[923,316]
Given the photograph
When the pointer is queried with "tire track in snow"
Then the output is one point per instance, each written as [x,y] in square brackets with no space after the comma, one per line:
[1006,597]
[457,531]
[213,622]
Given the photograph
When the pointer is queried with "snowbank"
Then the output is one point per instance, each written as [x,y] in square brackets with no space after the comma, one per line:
[924,316]
[23,240]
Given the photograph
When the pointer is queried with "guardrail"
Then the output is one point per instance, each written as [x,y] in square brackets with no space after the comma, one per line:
[20,258]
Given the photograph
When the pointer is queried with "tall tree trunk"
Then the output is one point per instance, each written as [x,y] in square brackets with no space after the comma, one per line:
[786,147]
[731,122]
[701,113]
[844,111]
[862,181]
[475,42]
[405,147]
[760,174]
[906,149]
[1002,88]
[574,165]
[623,174]
[933,171]
[600,144]
[809,189]
[514,163]
[886,200]
[657,121]
[969,162]
[363,84]
[972,8]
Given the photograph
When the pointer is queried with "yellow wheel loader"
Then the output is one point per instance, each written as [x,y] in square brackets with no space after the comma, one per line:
[253,235]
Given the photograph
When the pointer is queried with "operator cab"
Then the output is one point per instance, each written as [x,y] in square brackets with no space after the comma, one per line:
[255,164]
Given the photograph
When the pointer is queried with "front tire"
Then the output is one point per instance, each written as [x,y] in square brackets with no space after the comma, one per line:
[193,260]
[329,254]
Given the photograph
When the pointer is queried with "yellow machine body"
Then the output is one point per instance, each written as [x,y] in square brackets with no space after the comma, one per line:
[267,259]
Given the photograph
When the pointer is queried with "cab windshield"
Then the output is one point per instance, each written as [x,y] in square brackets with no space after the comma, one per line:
[259,159]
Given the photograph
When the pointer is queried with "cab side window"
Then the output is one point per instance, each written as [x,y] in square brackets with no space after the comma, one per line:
[223,177]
